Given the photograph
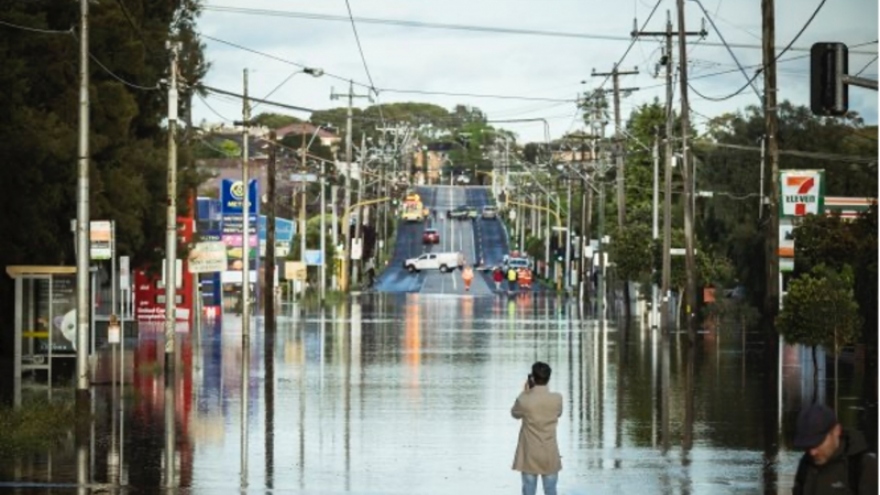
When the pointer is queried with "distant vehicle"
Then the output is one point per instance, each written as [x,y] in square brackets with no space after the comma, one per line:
[412,209]
[444,262]
[459,213]
[490,212]
[431,236]
[463,212]
[517,263]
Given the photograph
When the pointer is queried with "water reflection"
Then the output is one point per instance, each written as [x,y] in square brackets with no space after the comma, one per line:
[411,393]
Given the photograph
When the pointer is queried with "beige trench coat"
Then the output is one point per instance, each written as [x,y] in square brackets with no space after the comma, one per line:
[537,451]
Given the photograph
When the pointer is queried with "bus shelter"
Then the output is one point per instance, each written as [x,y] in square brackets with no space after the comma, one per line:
[45,325]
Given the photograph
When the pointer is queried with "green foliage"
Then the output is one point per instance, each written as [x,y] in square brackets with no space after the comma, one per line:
[730,222]
[128,145]
[630,250]
[820,309]
[275,120]
[34,427]
[835,243]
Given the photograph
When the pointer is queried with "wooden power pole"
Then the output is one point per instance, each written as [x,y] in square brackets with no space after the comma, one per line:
[689,255]
[667,61]
[771,131]
[618,136]
[269,294]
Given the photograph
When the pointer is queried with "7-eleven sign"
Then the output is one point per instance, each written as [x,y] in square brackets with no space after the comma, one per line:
[803,192]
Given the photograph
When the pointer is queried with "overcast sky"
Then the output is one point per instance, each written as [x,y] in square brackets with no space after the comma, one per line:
[519,66]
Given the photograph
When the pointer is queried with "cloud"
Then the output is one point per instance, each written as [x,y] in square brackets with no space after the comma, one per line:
[477,62]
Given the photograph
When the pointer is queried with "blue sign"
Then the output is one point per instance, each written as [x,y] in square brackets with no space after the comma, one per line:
[284,229]
[232,196]
[314,257]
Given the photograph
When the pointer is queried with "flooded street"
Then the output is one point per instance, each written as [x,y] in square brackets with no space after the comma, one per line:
[411,394]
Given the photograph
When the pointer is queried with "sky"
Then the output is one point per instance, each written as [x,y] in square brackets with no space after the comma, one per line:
[512,75]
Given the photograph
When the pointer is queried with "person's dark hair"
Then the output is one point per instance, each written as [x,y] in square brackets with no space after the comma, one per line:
[541,373]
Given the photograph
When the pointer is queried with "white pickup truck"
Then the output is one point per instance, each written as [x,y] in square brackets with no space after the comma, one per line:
[444,262]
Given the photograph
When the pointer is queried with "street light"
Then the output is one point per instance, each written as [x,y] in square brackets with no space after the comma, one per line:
[270,217]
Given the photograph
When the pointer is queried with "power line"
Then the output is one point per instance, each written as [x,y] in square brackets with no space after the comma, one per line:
[360,47]
[357,38]
[729,50]
[729,71]
[478,95]
[279,59]
[455,27]
[388,90]
[798,153]
[863,69]
[155,87]
[260,100]
[36,30]
[775,59]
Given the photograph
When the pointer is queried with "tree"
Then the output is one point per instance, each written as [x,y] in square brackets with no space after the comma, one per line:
[731,221]
[275,120]
[823,240]
[630,251]
[820,310]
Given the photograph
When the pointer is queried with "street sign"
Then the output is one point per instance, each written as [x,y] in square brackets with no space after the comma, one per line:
[208,257]
[357,249]
[295,270]
[303,177]
[802,192]
[101,239]
[314,257]
[679,251]
[114,330]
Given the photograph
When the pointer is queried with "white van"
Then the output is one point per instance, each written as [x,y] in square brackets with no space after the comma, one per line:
[444,262]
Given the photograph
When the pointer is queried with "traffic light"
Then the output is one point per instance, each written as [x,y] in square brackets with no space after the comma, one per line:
[829,96]
[559,253]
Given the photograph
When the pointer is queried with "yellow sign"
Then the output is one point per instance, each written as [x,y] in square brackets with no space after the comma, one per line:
[295,270]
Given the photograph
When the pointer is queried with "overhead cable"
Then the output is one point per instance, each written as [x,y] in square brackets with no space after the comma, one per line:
[455,27]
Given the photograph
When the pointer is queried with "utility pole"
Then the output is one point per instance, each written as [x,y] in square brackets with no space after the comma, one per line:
[360,217]
[171,221]
[667,60]
[269,295]
[690,262]
[771,131]
[303,159]
[245,221]
[348,145]
[83,398]
[655,227]
[322,271]
[618,136]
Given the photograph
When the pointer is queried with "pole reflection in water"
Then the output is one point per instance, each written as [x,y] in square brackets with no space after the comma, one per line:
[299,338]
[655,336]
[772,388]
[170,380]
[245,378]
[665,361]
[355,331]
[269,336]
[688,436]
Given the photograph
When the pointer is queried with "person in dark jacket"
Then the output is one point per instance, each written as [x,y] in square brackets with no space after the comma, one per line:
[834,461]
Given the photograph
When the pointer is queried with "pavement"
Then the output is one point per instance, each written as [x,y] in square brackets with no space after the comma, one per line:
[484,239]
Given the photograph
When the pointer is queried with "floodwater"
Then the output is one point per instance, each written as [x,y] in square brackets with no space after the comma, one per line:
[411,394]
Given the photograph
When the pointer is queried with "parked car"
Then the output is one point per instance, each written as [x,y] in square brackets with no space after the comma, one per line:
[431,236]
[490,212]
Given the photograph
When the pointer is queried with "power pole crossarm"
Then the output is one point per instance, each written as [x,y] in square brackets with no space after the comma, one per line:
[618,137]
[667,61]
